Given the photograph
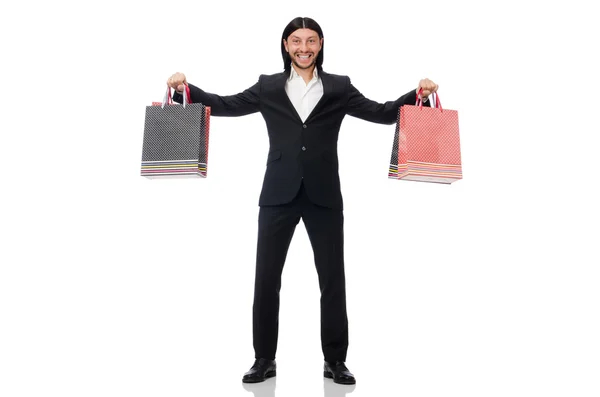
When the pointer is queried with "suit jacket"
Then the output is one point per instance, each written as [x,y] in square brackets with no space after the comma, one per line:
[301,151]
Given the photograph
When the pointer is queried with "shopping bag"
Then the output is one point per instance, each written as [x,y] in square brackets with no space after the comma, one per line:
[175,138]
[426,144]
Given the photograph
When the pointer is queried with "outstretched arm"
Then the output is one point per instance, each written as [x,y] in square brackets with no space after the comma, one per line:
[241,104]
[383,113]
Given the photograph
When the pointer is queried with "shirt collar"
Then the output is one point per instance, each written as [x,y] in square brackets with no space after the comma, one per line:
[294,74]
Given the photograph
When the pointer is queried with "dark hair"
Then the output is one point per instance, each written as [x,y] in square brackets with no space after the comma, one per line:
[295,24]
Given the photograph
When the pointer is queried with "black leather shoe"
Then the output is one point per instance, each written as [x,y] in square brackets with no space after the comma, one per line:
[339,373]
[261,370]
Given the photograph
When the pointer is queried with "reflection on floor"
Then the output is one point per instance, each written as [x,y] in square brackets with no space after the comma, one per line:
[267,388]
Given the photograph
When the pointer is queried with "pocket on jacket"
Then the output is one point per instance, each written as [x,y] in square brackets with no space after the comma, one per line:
[272,156]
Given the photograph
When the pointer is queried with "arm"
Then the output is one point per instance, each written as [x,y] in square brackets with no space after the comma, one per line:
[383,113]
[241,104]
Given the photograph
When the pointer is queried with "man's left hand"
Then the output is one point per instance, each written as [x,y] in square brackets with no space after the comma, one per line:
[428,87]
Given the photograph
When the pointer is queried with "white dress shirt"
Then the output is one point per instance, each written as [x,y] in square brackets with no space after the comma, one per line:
[304,96]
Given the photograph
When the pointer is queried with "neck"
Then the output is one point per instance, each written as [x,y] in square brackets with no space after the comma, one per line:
[306,74]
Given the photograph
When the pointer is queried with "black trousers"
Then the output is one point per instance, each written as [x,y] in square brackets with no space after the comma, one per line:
[276,226]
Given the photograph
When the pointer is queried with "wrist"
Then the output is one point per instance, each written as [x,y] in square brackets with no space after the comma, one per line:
[423,98]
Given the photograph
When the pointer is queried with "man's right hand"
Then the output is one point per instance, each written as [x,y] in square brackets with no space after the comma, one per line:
[178,82]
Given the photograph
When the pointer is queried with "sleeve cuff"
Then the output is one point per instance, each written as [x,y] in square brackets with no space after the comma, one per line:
[177,96]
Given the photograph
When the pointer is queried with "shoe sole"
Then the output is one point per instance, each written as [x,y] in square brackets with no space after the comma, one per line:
[328,375]
[267,375]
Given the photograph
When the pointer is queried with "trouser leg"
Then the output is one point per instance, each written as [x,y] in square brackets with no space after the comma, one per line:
[276,226]
[325,230]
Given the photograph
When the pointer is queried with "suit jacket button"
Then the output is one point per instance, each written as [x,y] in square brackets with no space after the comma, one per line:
[303,125]
[303,148]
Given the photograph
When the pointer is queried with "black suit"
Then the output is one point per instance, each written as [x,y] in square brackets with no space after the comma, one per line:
[301,182]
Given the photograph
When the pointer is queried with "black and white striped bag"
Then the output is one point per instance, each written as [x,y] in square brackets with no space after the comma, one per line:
[175,138]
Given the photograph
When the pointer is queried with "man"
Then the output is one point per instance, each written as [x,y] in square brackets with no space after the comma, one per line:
[303,108]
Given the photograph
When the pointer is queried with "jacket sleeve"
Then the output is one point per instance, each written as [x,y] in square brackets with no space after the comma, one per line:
[241,104]
[382,113]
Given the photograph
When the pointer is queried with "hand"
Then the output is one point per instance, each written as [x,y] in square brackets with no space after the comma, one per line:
[428,87]
[177,81]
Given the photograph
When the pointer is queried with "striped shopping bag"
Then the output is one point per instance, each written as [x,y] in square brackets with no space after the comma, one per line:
[175,139]
[426,144]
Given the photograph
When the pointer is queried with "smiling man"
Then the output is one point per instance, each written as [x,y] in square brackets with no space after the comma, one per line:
[303,108]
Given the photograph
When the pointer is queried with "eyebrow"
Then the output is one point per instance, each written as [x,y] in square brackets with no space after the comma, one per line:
[311,37]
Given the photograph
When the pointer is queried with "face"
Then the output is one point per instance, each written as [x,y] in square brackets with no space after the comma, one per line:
[303,45]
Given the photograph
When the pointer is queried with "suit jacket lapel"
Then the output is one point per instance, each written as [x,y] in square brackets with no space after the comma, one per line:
[327,86]
[284,96]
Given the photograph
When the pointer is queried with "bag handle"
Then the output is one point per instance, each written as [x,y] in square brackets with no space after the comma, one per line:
[187,98]
[437,102]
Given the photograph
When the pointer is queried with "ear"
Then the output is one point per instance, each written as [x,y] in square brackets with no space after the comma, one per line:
[321,42]
[285,45]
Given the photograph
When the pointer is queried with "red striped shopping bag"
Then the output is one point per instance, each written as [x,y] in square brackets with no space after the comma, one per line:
[426,144]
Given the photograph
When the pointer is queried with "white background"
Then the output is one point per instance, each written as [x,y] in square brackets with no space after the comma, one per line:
[115,285]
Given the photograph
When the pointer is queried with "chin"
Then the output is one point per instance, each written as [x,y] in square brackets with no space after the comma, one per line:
[303,66]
